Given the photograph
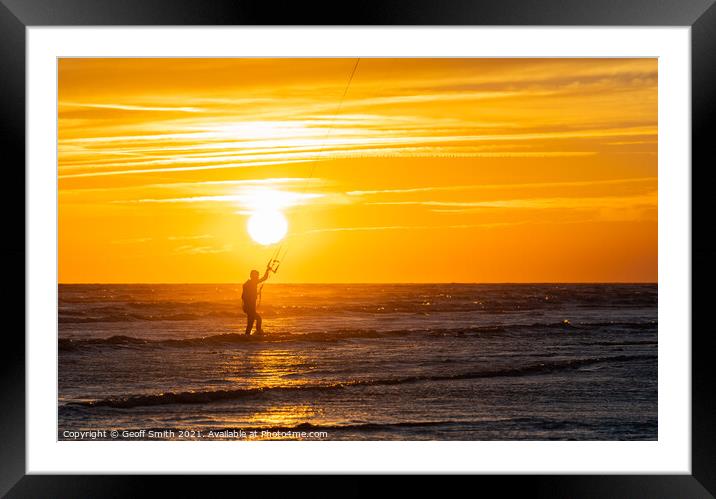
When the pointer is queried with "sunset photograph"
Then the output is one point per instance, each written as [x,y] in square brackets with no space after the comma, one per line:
[357,249]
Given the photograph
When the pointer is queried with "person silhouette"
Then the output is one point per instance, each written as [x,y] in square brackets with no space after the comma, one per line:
[249,297]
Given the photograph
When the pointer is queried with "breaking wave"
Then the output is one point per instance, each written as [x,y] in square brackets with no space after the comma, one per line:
[204,397]
[69,344]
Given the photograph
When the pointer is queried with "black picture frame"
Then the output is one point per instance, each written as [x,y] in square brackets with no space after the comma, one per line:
[700,15]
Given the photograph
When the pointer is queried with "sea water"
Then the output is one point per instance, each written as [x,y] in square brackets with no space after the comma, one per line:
[359,362]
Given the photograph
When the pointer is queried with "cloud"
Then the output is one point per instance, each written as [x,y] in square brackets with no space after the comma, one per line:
[174,169]
[291,149]
[126,107]
[428,108]
[252,181]
[597,202]
[411,227]
[190,238]
[464,187]
[269,181]
[189,249]
[249,199]
[436,97]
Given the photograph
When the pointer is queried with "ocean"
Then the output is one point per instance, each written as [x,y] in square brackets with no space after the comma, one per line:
[359,362]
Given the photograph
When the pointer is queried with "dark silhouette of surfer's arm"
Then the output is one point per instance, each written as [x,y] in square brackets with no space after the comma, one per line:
[266,275]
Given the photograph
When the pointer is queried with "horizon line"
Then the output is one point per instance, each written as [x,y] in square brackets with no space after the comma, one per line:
[365,282]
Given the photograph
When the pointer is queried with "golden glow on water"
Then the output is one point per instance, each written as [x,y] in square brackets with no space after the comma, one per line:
[265,368]
[282,415]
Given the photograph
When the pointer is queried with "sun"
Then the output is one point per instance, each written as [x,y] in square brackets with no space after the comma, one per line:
[267,226]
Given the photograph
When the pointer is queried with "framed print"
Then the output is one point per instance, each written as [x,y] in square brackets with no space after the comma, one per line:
[454,241]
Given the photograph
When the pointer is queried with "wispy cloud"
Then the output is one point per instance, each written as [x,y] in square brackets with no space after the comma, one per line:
[436,109]
[128,107]
[410,227]
[190,238]
[292,149]
[272,181]
[175,169]
[247,198]
[189,249]
[179,185]
[597,202]
[465,187]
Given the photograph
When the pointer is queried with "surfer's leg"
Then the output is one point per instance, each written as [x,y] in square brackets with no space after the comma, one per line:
[249,322]
[258,324]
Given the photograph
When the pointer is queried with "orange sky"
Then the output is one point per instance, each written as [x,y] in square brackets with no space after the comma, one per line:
[434,170]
